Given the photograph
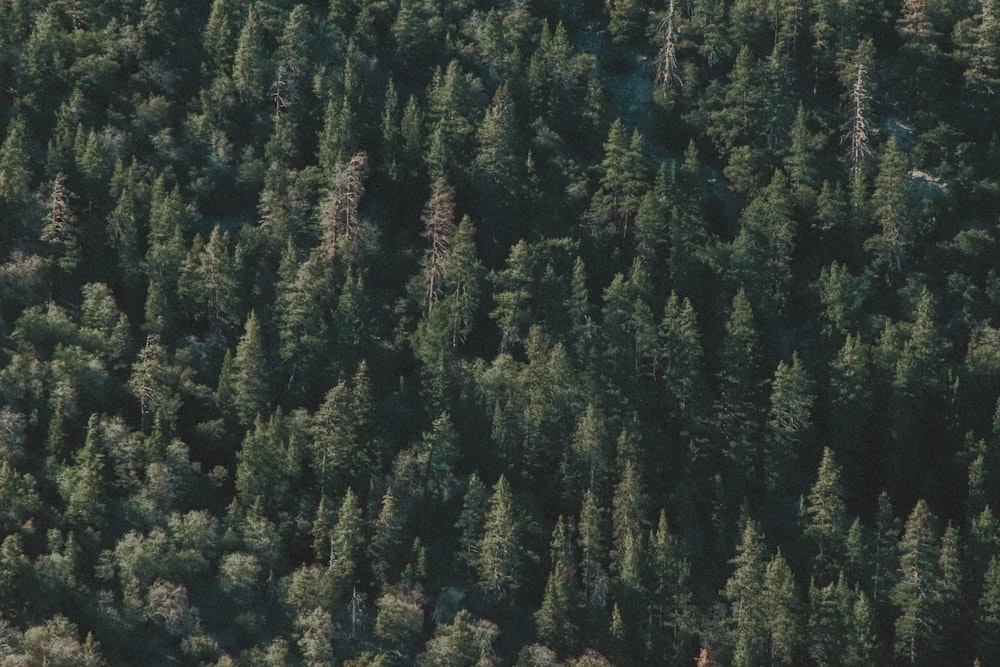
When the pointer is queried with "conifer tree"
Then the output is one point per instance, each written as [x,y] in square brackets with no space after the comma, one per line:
[672,610]
[667,66]
[893,210]
[981,52]
[623,181]
[219,39]
[472,520]
[918,625]
[250,377]
[988,625]
[745,593]
[792,400]
[781,611]
[827,524]
[387,543]
[82,484]
[553,619]
[739,384]
[496,156]
[593,547]
[762,251]
[15,158]
[344,451]
[500,561]
[348,538]
[250,63]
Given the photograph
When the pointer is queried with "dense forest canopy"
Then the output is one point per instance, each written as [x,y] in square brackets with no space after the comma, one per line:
[531,332]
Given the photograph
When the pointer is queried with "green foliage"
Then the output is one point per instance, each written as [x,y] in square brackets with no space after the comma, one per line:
[281,283]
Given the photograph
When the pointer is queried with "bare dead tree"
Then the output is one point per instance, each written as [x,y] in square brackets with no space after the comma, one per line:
[668,73]
[857,128]
[439,230]
[340,217]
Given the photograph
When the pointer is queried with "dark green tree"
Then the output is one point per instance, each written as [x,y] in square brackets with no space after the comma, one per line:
[623,183]
[827,519]
[500,561]
[918,625]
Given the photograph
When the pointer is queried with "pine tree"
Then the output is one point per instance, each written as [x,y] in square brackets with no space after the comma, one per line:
[790,417]
[623,181]
[472,520]
[916,594]
[219,39]
[348,539]
[861,641]
[15,164]
[500,561]
[745,593]
[344,450]
[981,52]
[627,514]
[207,283]
[762,251]
[672,610]
[827,518]
[387,539]
[82,485]
[780,603]
[250,376]
[593,547]
[496,156]
[553,620]
[829,622]
[739,384]
[892,208]
[587,460]
[857,129]
[250,62]
[988,624]
[267,465]
[625,20]
[679,353]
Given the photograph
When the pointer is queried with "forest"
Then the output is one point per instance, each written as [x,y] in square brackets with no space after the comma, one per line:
[526,333]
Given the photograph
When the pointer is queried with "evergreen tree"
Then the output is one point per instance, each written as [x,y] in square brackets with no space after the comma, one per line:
[792,399]
[472,520]
[348,538]
[15,156]
[500,561]
[249,378]
[916,594]
[250,62]
[593,547]
[739,386]
[781,611]
[344,451]
[623,181]
[827,524]
[387,543]
[553,619]
[745,593]
[988,625]
[82,484]
[762,252]
[893,210]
